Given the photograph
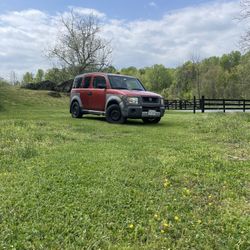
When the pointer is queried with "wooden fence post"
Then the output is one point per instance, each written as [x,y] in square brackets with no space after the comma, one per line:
[224,106]
[167,104]
[180,104]
[203,104]
[244,105]
[194,107]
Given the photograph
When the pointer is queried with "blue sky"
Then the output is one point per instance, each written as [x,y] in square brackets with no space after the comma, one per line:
[142,32]
[126,9]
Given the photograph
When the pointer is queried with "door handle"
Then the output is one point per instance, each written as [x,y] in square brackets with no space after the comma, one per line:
[89,93]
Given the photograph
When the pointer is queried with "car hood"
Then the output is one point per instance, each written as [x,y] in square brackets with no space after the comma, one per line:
[135,93]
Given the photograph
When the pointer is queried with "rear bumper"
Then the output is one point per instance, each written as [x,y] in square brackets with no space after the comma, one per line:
[138,112]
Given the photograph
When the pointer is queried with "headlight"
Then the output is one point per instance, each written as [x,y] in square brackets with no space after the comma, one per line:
[133,100]
[162,102]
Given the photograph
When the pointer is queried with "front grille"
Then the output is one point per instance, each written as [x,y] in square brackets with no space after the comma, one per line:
[146,109]
[147,99]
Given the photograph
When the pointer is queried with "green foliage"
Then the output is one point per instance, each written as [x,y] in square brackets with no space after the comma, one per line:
[184,77]
[58,75]
[3,82]
[28,78]
[159,77]
[129,71]
[39,75]
[110,69]
[215,77]
[85,184]
[231,60]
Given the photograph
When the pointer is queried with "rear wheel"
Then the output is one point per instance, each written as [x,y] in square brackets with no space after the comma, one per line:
[151,120]
[114,114]
[76,110]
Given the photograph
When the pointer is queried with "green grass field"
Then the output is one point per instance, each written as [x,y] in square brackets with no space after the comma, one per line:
[85,184]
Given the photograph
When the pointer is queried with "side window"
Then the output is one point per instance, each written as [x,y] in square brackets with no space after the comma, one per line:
[74,83]
[77,83]
[99,82]
[87,81]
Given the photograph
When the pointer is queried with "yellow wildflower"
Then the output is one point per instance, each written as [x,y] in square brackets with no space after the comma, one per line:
[210,204]
[166,183]
[131,226]
[199,221]
[162,231]
[186,191]
[165,225]
[176,218]
[156,216]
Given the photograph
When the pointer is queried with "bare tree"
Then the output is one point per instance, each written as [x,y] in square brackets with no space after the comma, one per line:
[195,59]
[13,78]
[79,46]
[245,16]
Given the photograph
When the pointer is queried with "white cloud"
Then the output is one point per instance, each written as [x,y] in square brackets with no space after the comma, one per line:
[24,35]
[87,11]
[208,30]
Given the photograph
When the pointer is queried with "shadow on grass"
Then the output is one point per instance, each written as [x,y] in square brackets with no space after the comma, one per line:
[129,122]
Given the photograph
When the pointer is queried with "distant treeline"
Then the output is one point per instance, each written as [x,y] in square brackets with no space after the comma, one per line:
[215,77]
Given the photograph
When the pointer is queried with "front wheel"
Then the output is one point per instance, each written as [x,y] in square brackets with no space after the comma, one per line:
[76,110]
[151,120]
[114,114]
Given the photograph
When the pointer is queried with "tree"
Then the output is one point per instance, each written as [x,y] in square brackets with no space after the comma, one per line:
[110,69]
[213,82]
[79,46]
[39,75]
[245,16]
[195,58]
[28,78]
[158,77]
[129,71]
[184,81]
[229,61]
[13,78]
[57,75]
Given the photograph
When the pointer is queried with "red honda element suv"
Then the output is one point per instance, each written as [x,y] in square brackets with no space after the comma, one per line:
[115,96]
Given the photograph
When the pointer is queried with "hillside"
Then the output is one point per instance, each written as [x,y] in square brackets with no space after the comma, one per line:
[23,101]
[85,184]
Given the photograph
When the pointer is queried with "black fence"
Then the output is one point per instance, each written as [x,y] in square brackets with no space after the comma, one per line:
[204,104]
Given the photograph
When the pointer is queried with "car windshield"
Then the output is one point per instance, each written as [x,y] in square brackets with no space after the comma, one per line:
[125,82]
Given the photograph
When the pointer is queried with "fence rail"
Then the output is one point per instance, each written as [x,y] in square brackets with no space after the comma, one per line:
[204,104]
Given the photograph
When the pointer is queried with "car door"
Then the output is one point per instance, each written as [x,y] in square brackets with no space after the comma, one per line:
[84,92]
[97,98]
[76,88]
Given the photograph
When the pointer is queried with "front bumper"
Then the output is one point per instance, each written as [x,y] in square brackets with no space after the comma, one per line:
[137,112]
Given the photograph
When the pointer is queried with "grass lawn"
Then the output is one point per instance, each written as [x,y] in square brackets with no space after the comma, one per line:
[85,184]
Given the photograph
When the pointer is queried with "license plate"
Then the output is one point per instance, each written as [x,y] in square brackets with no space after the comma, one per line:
[152,113]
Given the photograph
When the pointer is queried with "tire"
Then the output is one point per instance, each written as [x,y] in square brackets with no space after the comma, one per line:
[76,110]
[151,120]
[114,114]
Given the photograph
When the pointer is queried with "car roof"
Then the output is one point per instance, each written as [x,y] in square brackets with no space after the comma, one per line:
[102,74]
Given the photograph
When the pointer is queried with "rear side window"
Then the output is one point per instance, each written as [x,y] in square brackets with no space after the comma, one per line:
[99,82]
[77,83]
[87,81]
